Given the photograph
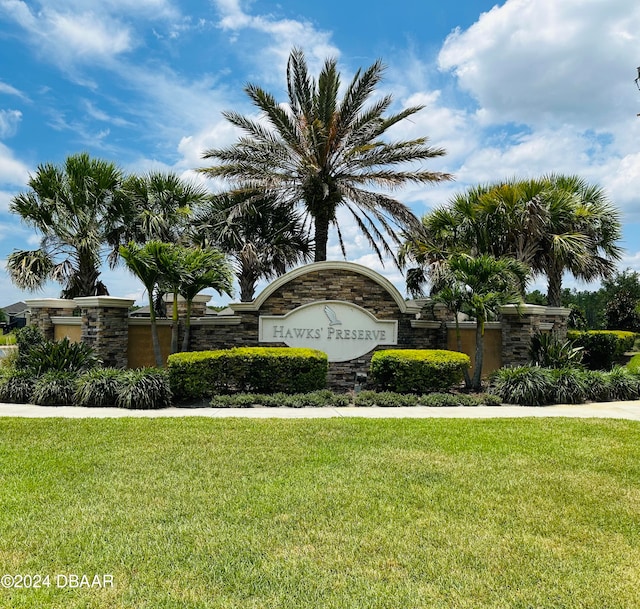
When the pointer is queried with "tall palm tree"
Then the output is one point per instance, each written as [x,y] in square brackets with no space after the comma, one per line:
[263,238]
[324,153]
[74,206]
[589,248]
[553,224]
[481,285]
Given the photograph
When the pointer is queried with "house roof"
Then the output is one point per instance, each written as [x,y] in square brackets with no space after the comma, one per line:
[16,308]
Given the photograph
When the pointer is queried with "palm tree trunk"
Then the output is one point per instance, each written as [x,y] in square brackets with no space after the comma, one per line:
[187,327]
[554,285]
[155,339]
[175,325]
[476,381]
[321,237]
[467,379]
[247,281]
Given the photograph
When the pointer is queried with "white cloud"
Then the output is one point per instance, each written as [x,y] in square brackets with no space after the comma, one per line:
[9,121]
[547,63]
[71,37]
[12,171]
[283,34]
[7,89]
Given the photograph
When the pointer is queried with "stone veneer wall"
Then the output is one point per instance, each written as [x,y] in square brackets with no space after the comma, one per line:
[519,324]
[105,326]
[43,309]
[105,321]
[318,285]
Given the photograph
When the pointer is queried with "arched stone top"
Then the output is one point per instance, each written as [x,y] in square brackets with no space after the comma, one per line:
[333,265]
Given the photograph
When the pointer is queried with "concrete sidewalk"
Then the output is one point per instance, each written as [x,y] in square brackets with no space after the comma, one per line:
[605,410]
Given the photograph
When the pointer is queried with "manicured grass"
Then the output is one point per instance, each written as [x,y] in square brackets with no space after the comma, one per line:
[341,514]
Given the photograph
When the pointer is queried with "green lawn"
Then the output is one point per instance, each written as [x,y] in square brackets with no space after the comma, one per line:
[400,514]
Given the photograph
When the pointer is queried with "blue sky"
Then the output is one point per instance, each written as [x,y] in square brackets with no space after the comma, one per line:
[518,88]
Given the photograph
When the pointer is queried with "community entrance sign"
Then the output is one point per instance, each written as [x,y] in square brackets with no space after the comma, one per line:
[344,331]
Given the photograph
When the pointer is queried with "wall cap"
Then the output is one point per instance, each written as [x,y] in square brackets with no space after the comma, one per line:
[197,298]
[430,324]
[328,265]
[66,321]
[51,303]
[528,309]
[111,302]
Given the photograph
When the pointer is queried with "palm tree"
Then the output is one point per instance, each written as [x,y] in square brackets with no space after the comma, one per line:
[324,153]
[263,238]
[482,285]
[553,224]
[160,207]
[200,269]
[74,207]
[144,263]
[588,246]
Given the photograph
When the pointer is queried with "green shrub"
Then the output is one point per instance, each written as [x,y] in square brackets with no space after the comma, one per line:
[390,399]
[385,399]
[602,347]
[417,370]
[17,387]
[634,363]
[55,388]
[98,387]
[315,399]
[569,386]
[143,389]
[598,385]
[524,385]
[201,374]
[624,385]
[60,355]
[548,351]
[27,338]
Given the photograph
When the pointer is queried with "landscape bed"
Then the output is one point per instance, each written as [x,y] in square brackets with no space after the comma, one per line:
[333,513]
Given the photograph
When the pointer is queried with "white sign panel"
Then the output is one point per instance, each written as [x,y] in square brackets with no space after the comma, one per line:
[342,330]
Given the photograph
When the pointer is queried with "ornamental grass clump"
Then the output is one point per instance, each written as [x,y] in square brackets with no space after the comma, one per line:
[55,388]
[17,387]
[99,387]
[144,389]
[623,384]
[524,385]
[569,386]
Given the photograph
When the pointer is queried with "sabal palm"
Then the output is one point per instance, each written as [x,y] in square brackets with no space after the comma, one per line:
[324,153]
[553,224]
[74,207]
[160,207]
[264,239]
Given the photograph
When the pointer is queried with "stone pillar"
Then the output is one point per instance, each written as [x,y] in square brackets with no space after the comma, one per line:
[520,323]
[43,309]
[105,327]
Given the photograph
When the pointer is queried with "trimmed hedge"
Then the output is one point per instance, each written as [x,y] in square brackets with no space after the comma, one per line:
[202,374]
[417,370]
[602,348]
